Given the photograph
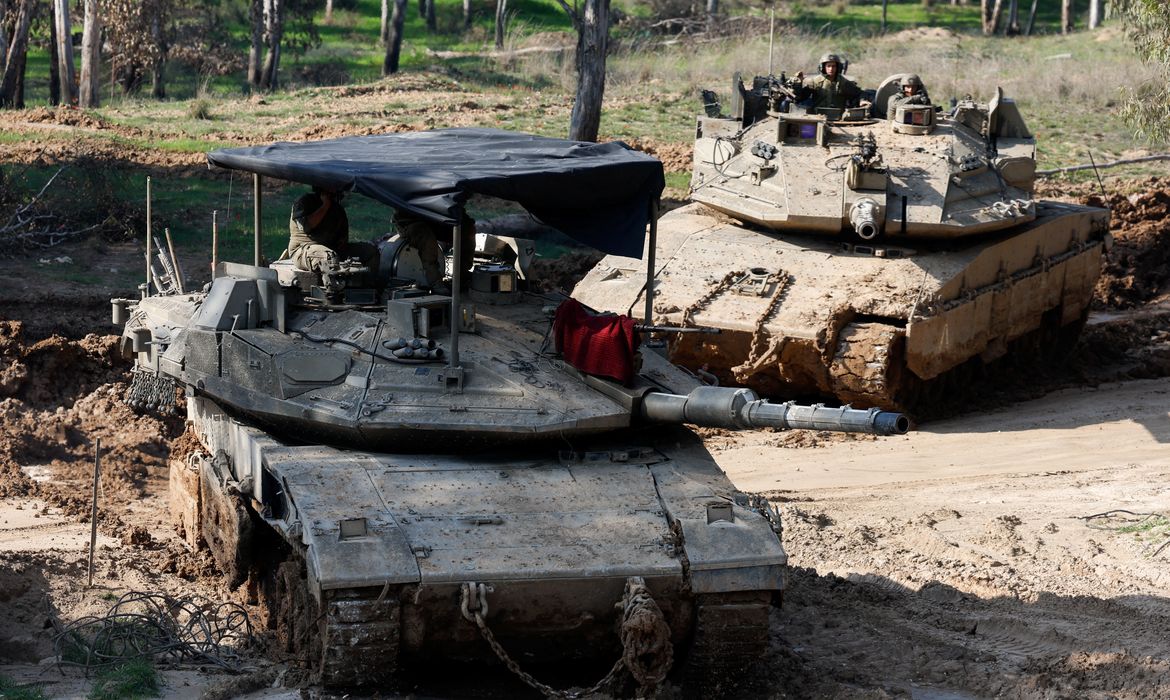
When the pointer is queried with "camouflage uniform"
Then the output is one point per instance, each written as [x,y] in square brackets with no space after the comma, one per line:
[320,249]
[424,235]
[832,94]
[896,100]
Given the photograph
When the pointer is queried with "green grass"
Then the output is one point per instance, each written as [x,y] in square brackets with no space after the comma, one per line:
[133,680]
[11,690]
[843,17]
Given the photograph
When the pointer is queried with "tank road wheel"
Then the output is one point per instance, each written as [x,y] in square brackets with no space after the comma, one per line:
[865,363]
[353,642]
[731,634]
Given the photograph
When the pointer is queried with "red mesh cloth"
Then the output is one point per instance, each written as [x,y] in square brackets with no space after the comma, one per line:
[598,345]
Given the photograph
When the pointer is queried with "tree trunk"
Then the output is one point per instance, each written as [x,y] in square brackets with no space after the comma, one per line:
[273,32]
[1013,25]
[501,20]
[394,40]
[3,40]
[384,34]
[996,11]
[984,16]
[1031,19]
[54,63]
[158,85]
[885,3]
[12,83]
[712,11]
[592,44]
[256,15]
[422,8]
[1094,14]
[64,51]
[466,16]
[328,11]
[89,92]
[432,27]
[1065,16]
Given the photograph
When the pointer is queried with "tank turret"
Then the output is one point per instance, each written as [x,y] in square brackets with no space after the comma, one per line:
[385,459]
[876,254]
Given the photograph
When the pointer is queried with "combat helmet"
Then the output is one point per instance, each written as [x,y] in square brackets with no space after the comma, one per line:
[912,80]
[833,58]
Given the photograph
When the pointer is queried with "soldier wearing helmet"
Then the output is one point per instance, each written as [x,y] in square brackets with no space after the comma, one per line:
[913,93]
[831,89]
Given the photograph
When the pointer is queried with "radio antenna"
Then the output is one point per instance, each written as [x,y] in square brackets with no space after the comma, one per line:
[771,39]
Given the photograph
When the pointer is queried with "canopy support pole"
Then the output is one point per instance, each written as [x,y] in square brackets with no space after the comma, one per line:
[453,375]
[257,208]
[651,247]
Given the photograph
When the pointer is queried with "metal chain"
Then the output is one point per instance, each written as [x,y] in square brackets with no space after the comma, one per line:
[728,280]
[151,392]
[639,612]
[757,354]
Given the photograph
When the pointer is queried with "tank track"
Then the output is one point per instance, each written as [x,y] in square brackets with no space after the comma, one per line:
[353,642]
[730,635]
[867,368]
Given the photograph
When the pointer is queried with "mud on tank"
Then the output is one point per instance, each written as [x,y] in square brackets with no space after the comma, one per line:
[401,473]
[877,256]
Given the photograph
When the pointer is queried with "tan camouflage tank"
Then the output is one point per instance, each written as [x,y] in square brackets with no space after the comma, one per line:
[871,255]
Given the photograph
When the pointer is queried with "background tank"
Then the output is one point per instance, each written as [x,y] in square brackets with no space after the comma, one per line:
[876,260]
[351,465]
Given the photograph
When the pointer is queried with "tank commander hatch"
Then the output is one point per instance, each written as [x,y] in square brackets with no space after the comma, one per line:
[831,89]
[913,92]
[319,236]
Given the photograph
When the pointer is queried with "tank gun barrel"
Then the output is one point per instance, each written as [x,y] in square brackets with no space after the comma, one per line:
[737,408]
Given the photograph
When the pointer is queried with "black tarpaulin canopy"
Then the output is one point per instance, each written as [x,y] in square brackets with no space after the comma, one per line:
[598,193]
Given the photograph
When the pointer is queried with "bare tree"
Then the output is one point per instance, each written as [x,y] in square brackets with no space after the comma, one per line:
[501,21]
[158,85]
[12,83]
[712,11]
[256,17]
[54,66]
[328,11]
[432,26]
[64,50]
[1065,16]
[394,39]
[273,32]
[89,93]
[1094,14]
[3,35]
[993,23]
[466,15]
[1013,25]
[592,27]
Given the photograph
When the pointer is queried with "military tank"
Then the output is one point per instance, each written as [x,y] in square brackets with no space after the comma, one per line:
[401,474]
[873,256]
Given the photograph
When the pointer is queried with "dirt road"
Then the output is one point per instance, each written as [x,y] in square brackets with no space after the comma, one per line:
[958,562]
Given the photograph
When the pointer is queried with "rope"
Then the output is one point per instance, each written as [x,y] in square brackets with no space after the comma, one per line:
[154,625]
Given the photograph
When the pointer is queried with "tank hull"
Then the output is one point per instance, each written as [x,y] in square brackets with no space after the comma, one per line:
[370,552]
[872,324]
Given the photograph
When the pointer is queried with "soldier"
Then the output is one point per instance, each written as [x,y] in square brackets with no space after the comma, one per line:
[319,236]
[831,89]
[913,93]
[424,236]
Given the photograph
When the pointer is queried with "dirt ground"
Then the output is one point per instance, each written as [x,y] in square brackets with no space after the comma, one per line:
[958,561]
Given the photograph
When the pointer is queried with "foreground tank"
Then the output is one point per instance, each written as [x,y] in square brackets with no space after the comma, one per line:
[401,475]
[871,259]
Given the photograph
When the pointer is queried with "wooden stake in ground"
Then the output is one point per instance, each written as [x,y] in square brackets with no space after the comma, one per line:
[97,470]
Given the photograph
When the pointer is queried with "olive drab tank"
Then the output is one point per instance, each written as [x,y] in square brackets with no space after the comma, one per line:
[875,254]
[405,473]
